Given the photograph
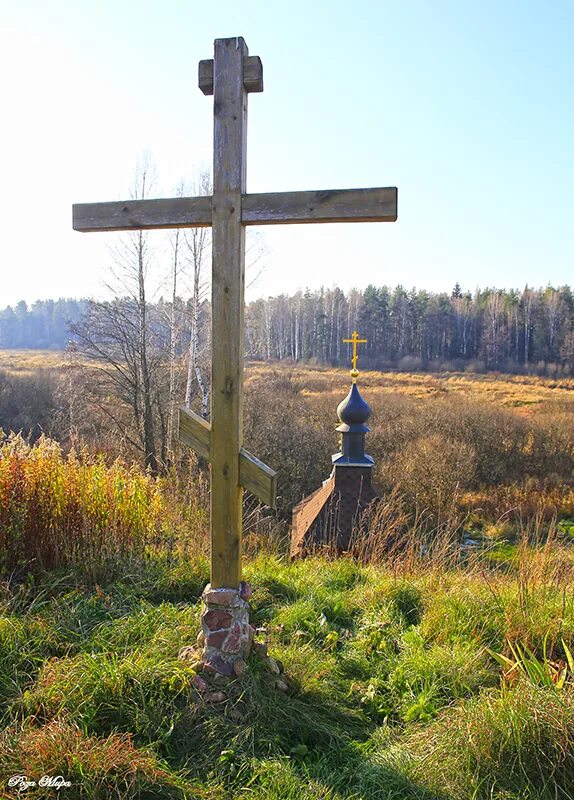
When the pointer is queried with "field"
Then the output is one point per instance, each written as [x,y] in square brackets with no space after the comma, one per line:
[437,669]
[29,361]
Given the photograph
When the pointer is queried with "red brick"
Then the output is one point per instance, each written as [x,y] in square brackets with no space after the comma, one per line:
[216,619]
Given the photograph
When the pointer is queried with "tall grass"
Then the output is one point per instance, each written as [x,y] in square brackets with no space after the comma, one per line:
[393,693]
[516,744]
[61,511]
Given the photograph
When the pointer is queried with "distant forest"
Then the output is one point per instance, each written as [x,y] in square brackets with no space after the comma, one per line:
[507,330]
[44,325]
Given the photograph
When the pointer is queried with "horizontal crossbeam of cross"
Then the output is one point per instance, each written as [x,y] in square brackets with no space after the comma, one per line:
[254,475]
[273,208]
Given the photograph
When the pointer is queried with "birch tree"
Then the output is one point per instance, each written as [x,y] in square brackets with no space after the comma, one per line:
[198,245]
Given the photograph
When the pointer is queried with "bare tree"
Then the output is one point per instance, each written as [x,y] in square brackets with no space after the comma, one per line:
[528,308]
[553,313]
[495,330]
[198,246]
[118,335]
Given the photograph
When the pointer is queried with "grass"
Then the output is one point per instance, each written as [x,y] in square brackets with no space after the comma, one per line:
[29,361]
[397,662]
[528,394]
[99,518]
[394,688]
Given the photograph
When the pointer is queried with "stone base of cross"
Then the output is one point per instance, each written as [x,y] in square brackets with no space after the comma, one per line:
[230,76]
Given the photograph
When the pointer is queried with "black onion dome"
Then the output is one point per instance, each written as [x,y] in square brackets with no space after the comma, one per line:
[353,410]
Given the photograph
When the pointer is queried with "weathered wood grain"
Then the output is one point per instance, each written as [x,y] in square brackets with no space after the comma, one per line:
[252,75]
[258,478]
[195,432]
[254,475]
[126,215]
[274,208]
[344,205]
[228,289]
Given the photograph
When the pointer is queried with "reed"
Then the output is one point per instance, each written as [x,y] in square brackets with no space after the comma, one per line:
[72,511]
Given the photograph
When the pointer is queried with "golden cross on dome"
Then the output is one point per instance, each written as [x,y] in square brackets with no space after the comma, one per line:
[354,340]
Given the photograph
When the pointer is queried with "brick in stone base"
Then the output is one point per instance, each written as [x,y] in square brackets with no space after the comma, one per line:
[226,629]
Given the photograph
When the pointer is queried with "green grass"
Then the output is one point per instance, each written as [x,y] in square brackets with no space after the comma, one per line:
[393,693]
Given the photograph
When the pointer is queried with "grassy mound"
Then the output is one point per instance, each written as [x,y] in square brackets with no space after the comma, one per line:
[392,690]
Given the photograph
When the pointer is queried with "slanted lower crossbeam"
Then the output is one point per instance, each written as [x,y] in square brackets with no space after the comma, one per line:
[254,475]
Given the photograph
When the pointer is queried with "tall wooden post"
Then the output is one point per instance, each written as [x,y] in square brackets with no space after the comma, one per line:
[230,139]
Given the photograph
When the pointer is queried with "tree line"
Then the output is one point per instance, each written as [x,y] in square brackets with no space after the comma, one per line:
[43,325]
[489,329]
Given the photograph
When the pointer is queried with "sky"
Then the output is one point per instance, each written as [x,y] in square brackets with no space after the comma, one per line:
[466,107]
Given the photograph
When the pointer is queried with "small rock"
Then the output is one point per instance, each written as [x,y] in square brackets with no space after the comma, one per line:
[260,649]
[245,590]
[272,666]
[239,667]
[281,685]
[216,697]
[187,652]
[200,684]
[217,666]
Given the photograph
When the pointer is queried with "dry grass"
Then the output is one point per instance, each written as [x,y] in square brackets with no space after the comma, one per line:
[106,767]
[24,362]
[527,394]
[72,511]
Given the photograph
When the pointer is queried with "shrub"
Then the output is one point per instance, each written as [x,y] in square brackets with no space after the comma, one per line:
[111,767]
[432,470]
[285,433]
[29,403]
[72,511]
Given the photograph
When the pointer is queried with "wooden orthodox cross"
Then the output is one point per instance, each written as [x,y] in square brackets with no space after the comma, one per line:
[229,77]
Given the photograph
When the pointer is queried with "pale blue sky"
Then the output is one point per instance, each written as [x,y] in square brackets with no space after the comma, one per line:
[467,107]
